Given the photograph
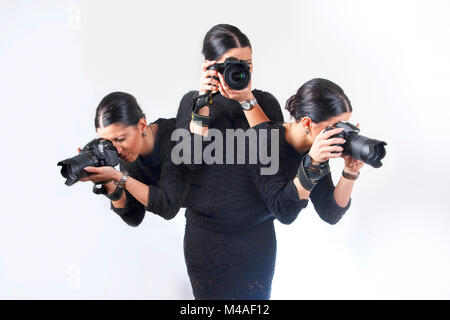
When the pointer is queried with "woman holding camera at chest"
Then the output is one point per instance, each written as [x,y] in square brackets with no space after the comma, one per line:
[229,242]
[147,180]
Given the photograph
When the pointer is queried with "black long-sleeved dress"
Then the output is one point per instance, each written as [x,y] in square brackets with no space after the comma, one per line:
[279,191]
[230,243]
[168,183]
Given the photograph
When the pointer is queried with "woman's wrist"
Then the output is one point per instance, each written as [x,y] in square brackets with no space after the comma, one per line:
[245,97]
[351,170]
[350,175]
[118,175]
[313,162]
[203,111]
[110,187]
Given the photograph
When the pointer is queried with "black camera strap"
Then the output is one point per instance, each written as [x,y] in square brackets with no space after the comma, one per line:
[116,195]
[200,101]
[310,174]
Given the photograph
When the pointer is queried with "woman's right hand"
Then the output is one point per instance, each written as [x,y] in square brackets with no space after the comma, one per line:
[323,147]
[206,82]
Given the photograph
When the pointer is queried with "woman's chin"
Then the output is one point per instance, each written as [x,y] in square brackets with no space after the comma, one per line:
[130,158]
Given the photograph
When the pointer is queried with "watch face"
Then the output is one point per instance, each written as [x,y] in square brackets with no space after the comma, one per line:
[245,105]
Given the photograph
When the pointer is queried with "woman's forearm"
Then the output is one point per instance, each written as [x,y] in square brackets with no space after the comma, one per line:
[136,188]
[343,191]
[197,129]
[303,194]
[255,116]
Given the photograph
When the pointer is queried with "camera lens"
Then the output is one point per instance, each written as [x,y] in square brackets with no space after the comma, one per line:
[73,168]
[373,152]
[237,76]
[367,150]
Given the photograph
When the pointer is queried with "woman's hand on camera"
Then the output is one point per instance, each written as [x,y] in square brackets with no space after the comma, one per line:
[206,82]
[238,95]
[100,174]
[323,147]
[352,165]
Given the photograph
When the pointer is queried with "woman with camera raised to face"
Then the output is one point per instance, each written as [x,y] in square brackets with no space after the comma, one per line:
[148,180]
[305,146]
[229,243]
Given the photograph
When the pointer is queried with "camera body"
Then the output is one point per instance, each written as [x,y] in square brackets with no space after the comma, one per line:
[235,72]
[97,153]
[370,151]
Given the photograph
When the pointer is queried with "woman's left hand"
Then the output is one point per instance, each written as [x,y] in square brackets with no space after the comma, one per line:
[101,174]
[352,165]
[238,95]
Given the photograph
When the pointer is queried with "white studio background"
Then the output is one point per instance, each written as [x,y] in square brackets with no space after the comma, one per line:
[59,58]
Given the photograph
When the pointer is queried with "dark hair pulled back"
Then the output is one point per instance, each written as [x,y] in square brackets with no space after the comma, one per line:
[118,107]
[221,38]
[318,99]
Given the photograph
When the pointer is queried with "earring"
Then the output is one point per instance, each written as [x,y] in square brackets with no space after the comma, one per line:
[144,134]
[307,131]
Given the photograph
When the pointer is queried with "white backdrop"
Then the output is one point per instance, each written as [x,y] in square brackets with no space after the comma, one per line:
[59,58]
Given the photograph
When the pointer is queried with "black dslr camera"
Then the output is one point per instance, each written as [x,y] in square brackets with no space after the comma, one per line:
[97,153]
[235,72]
[367,150]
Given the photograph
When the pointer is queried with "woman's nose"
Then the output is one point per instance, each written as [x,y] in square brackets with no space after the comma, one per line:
[119,148]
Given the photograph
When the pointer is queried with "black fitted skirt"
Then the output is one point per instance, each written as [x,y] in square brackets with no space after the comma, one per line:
[230,266]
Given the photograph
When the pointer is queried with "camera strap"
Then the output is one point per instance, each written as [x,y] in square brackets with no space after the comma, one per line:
[309,174]
[200,101]
[116,195]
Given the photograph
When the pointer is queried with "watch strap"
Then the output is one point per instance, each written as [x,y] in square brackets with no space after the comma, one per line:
[350,176]
[250,102]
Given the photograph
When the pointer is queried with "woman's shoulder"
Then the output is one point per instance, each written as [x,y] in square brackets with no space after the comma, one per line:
[276,134]
[269,104]
[270,125]
[166,123]
[189,95]
[272,132]
[165,129]
[263,95]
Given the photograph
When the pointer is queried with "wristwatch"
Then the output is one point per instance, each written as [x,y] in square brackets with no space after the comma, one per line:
[248,104]
[350,176]
[122,181]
